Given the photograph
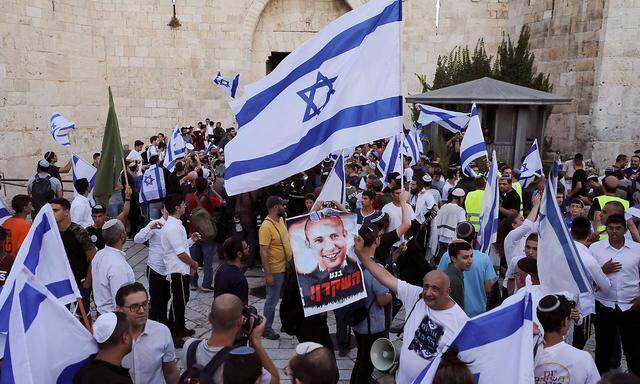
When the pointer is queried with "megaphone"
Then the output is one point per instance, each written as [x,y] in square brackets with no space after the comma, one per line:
[385,355]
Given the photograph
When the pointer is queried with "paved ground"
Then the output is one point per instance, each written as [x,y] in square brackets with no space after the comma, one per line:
[279,350]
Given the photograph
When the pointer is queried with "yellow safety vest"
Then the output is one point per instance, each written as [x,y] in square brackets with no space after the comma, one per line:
[473,206]
[602,200]
[518,187]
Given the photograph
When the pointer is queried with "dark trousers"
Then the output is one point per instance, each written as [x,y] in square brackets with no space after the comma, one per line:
[343,334]
[159,294]
[317,332]
[179,298]
[608,323]
[362,369]
[582,332]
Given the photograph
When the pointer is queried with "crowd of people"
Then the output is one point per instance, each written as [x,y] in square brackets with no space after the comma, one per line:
[416,242]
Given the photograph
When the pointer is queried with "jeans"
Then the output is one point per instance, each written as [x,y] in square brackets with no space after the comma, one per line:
[608,323]
[159,294]
[273,296]
[203,252]
[179,298]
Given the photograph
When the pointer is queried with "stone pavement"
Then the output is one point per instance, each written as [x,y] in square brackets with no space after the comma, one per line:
[279,350]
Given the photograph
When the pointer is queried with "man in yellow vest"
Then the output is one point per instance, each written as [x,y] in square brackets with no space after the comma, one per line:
[473,203]
[610,185]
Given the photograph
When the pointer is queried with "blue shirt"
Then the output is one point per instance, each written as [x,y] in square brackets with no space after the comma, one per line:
[475,298]
[376,313]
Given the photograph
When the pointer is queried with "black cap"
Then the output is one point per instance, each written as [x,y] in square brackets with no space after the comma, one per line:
[368,231]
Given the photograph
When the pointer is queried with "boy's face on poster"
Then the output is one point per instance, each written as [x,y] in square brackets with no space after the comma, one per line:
[327,238]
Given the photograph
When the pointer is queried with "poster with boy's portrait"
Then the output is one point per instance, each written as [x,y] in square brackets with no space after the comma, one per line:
[328,272]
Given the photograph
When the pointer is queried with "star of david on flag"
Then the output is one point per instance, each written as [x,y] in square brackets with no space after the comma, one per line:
[59,126]
[531,166]
[228,86]
[153,186]
[309,95]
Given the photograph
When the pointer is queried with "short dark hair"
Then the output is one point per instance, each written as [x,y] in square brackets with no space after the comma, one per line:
[241,368]
[201,184]
[456,246]
[137,143]
[172,202]
[128,289]
[309,196]
[371,194]
[316,367]
[153,160]
[96,155]
[616,219]
[369,233]
[551,320]
[61,201]
[81,185]
[19,203]
[123,326]
[153,138]
[452,370]
[578,156]
[580,228]
[231,247]
[621,157]
[532,237]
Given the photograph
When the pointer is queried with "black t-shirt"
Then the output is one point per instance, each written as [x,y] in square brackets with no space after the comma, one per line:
[95,235]
[77,242]
[510,200]
[579,176]
[5,267]
[383,252]
[230,279]
[102,372]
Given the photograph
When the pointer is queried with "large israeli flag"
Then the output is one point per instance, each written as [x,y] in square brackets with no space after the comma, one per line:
[391,160]
[498,346]
[334,189]
[339,89]
[82,169]
[60,127]
[490,209]
[560,267]
[450,120]
[228,86]
[531,166]
[176,149]
[45,343]
[5,211]
[472,146]
[152,185]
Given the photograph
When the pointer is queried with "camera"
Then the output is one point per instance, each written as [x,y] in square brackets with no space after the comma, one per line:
[250,312]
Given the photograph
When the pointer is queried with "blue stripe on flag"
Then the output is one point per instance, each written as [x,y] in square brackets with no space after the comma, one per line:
[30,299]
[339,167]
[33,256]
[347,118]
[160,189]
[487,231]
[234,85]
[4,212]
[60,288]
[444,117]
[5,311]
[341,43]
[472,150]
[7,364]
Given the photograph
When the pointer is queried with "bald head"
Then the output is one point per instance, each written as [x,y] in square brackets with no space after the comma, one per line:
[226,311]
[435,290]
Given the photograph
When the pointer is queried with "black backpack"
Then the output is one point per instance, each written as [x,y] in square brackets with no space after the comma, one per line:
[41,192]
[196,373]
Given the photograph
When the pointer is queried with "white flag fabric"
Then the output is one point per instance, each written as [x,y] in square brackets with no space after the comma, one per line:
[472,146]
[560,267]
[339,89]
[496,344]
[60,128]
[153,186]
[45,342]
[555,171]
[176,149]
[82,169]
[630,213]
[450,120]
[5,211]
[490,209]
[391,160]
[531,166]
[228,86]
[335,186]
[411,145]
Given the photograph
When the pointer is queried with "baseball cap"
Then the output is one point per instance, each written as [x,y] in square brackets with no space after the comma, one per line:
[104,326]
[272,201]
[458,192]
[98,209]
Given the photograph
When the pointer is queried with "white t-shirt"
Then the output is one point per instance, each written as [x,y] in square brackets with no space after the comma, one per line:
[395,218]
[408,174]
[426,331]
[563,363]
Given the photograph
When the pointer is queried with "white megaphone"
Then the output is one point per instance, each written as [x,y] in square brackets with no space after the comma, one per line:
[385,355]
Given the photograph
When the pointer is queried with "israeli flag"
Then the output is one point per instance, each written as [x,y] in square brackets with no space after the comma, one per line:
[228,86]
[532,165]
[339,89]
[152,185]
[83,170]
[630,213]
[411,145]
[60,128]
[45,342]
[391,160]
[5,211]
[472,146]
[490,209]
[556,167]
[559,266]
[450,120]
[176,149]
[334,189]
[498,346]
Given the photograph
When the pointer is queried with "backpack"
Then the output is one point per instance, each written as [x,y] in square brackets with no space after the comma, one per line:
[196,373]
[41,192]
[202,221]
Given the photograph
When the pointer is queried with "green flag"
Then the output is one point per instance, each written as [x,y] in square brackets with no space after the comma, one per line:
[110,158]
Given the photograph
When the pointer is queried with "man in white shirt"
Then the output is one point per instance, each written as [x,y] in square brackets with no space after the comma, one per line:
[80,206]
[433,318]
[515,243]
[618,309]
[394,211]
[153,357]
[446,222]
[135,156]
[153,148]
[449,185]
[109,267]
[159,288]
[180,266]
[423,200]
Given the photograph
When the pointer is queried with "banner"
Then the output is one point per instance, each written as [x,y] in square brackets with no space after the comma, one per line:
[328,273]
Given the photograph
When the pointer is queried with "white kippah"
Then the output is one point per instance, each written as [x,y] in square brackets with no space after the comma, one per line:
[104,326]
[110,223]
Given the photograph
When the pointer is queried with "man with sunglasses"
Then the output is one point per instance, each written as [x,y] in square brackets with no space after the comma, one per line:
[153,357]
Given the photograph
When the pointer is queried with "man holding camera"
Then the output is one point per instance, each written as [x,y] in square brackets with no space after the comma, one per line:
[230,321]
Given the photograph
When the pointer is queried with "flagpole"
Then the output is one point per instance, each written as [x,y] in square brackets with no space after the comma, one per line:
[401,98]
[124,170]
[84,314]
